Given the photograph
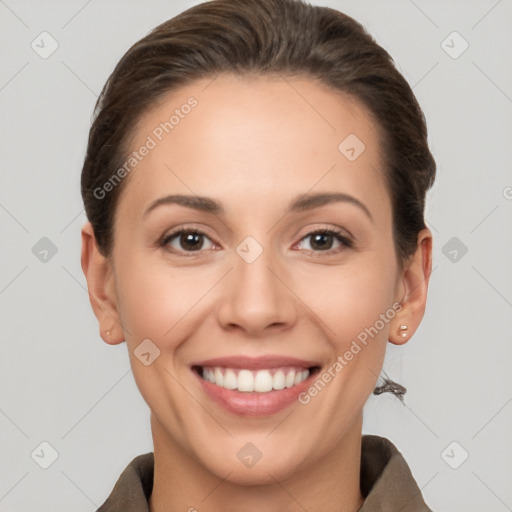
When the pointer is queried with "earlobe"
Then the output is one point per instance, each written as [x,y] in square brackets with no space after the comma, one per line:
[100,284]
[415,279]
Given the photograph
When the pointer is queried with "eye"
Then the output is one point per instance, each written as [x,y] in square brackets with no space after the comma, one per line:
[193,241]
[187,240]
[323,240]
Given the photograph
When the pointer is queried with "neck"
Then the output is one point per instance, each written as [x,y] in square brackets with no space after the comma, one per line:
[329,484]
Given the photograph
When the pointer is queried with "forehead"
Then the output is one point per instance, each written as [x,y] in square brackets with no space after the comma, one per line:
[235,137]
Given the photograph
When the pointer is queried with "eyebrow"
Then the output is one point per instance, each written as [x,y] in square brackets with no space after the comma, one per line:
[299,204]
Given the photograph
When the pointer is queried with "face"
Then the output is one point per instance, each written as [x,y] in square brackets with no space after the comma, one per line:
[271,264]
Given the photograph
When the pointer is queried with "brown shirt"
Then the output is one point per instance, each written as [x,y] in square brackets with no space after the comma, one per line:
[387,483]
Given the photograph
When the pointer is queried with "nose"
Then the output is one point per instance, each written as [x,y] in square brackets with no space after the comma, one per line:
[257,297]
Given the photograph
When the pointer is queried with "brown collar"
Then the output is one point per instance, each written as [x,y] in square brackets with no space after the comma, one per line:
[387,483]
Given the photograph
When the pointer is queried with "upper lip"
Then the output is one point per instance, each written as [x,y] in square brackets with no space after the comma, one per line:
[253,363]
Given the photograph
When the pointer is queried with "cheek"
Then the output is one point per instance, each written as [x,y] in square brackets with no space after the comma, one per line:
[351,298]
[159,303]
[164,303]
[153,298]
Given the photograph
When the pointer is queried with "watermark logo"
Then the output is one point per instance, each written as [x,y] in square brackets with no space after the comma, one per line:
[44,250]
[44,455]
[146,352]
[249,454]
[454,45]
[454,249]
[454,455]
[249,249]
[351,147]
[44,45]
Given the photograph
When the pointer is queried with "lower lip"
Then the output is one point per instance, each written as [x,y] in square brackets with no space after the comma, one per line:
[253,403]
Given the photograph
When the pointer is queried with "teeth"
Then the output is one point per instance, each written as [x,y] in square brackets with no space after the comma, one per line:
[290,379]
[245,380]
[261,381]
[230,380]
[279,380]
[218,376]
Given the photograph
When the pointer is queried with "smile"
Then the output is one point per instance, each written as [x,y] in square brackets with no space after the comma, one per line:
[254,387]
[260,381]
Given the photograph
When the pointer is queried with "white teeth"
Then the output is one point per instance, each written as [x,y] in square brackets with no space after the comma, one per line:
[218,376]
[245,381]
[230,380]
[290,379]
[261,381]
[278,380]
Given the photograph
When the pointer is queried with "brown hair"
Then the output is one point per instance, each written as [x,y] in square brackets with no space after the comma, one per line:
[262,37]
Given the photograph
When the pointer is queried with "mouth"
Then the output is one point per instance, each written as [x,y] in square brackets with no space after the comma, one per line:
[254,387]
[246,380]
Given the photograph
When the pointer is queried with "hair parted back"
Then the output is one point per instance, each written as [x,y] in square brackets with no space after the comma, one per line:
[288,37]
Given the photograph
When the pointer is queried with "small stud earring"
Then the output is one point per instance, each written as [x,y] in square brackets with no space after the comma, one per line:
[403,328]
[108,333]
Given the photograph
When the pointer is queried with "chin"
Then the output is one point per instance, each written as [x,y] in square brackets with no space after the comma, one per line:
[249,465]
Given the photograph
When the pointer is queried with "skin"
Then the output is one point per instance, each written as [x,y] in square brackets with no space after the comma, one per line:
[254,144]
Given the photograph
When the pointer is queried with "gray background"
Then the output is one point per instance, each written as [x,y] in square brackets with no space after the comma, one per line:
[61,384]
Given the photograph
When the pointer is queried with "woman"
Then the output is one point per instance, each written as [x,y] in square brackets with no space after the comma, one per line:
[255,183]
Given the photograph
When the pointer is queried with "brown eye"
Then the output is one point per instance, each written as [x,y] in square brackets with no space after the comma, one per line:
[185,241]
[323,240]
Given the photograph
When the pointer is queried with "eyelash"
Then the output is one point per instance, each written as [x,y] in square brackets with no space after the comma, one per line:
[337,234]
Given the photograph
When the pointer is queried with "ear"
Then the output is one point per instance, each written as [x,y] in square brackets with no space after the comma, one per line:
[413,289]
[101,287]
